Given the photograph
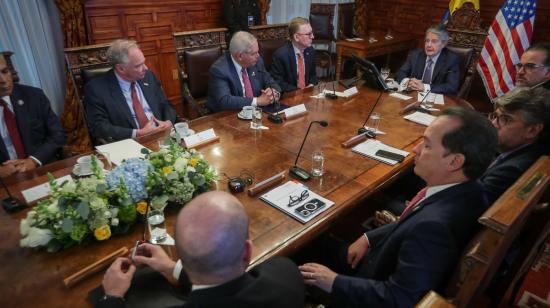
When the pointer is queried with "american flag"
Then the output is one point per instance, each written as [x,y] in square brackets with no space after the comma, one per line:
[509,36]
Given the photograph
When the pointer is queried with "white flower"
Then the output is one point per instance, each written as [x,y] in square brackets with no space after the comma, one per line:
[97,204]
[107,214]
[114,222]
[190,169]
[36,237]
[69,187]
[180,164]
[24,226]
[53,208]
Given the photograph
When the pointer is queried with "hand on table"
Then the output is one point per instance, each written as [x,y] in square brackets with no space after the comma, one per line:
[118,277]
[21,165]
[318,275]
[416,85]
[155,257]
[357,251]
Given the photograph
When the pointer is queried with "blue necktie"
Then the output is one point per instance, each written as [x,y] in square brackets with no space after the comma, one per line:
[427,78]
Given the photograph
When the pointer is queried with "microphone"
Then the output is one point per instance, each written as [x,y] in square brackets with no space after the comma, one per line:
[365,131]
[11,204]
[422,101]
[295,171]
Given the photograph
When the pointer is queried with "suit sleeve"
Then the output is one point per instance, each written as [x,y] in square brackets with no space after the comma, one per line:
[312,74]
[55,136]
[219,92]
[166,109]
[279,69]
[406,69]
[375,236]
[425,259]
[451,80]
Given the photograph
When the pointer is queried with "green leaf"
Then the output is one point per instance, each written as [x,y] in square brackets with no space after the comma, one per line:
[83,209]
[67,225]
[145,151]
[101,188]
[63,203]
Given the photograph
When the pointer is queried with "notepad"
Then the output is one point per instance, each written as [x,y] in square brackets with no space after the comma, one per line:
[40,191]
[121,150]
[420,118]
[371,146]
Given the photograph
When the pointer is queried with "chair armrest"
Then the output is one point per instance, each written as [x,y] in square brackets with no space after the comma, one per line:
[434,300]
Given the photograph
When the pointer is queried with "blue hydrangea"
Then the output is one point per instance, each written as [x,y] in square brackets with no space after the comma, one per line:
[134,172]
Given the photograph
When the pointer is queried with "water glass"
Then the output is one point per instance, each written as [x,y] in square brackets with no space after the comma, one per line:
[317,163]
[257,118]
[385,72]
[157,226]
[374,122]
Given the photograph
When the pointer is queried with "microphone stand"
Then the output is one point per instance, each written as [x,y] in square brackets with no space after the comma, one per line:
[11,204]
[295,171]
[365,131]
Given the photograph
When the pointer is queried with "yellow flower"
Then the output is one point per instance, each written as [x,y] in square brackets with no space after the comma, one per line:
[167,170]
[141,207]
[193,161]
[102,233]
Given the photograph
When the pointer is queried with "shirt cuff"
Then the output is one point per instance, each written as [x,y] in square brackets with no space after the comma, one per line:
[134,133]
[254,103]
[368,242]
[177,270]
[36,160]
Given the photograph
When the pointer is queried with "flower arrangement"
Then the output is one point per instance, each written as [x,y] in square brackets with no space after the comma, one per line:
[102,205]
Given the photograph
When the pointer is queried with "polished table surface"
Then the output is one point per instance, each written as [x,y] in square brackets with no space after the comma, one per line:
[34,277]
[364,49]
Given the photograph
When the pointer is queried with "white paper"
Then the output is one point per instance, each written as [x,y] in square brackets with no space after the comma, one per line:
[371,146]
[121,150]
[351,91]
[279,198]
[191,141]
[295,110]
[420,118]
[400,96]
[40,191]
[439,100]
[377,132]
[260,128]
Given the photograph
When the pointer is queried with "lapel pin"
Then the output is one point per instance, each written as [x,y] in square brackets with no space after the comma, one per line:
[20,102]
[253,74]
[146,84]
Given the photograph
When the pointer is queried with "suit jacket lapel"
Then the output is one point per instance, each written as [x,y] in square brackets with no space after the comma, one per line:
[439,65]
[420,64]
[119,102]
[308,61]
[20,109]
[149,96]
[235,80]
[293,68]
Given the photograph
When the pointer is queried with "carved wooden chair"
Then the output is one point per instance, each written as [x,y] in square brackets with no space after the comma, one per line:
[466,37]
[196,51]
[514,212]
[321,16]
[346,13]
[270,38]
[7,55]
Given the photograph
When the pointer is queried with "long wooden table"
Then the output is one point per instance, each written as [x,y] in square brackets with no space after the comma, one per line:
[34,277]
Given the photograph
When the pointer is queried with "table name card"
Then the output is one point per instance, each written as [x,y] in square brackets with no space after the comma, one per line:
[296,111]
[420,118]
[200,139]
[347,93]
[432,97]
[40,191]
[266,184]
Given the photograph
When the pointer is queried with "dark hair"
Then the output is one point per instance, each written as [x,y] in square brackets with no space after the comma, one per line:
[476,138]
[544,47]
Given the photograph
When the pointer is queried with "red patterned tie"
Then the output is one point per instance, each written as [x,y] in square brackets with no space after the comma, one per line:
[301,71]
[11,123]
[138,109]
[247,86]
[421,194]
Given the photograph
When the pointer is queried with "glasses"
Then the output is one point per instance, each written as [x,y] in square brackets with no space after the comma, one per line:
[502,119]
[310,34]
[528,66]
[294,200]
[250,53]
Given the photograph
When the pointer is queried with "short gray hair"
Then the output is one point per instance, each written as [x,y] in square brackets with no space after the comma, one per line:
[241,42]
[118,52]
[440,31]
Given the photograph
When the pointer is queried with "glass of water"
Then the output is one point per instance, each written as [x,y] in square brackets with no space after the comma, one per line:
[317,163]
[374,122]
[257,118]
[157,226]
[385,72]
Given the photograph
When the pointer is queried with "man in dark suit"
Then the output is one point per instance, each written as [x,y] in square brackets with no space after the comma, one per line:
[533,69]
[127,101]
[433,68]
[293,64]
[396,264]
[522,120]
[214,249]
[31,133]
[239,15]
[239,78]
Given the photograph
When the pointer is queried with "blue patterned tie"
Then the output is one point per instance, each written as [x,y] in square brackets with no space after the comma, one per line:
[427,78]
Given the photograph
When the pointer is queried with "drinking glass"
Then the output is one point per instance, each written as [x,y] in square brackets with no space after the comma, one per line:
[374,122]
[385,72]
[317,163]
[157,226]
[257,118]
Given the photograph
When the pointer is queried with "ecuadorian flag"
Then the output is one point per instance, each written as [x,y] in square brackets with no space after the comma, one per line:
[454,5]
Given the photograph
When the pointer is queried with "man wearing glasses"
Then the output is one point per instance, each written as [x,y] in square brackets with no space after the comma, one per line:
[294,63]
[522,120]
[433,68]
[238,78]
[533,70]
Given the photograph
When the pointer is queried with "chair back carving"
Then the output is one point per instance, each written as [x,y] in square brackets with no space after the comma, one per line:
[7,55]
[85,63]
[346,13]
[196,51]
[465,31]
[270,38]
[321,16]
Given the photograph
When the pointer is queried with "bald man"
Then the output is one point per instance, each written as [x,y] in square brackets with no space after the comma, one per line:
[214,249]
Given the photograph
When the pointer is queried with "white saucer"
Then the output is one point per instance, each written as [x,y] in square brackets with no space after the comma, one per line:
[189,133]
[76,169]
[242,117]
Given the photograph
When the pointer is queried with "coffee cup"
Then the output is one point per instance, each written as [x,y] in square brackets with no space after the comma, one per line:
[84,164]
[182,128]
[247,112]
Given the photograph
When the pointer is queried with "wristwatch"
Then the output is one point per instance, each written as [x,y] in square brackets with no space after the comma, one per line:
[112,298]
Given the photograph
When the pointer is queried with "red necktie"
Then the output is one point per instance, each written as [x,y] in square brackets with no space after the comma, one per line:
[421,194]
[247,86]
[301,71]
[138,109]
[11,123]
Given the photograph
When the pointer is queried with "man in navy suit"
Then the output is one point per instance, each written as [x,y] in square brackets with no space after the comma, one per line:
[293,64]
[127,101]
[214,249]
[433,68]
[239,78]
[533,69]
[396,264]
[522,120]
[31,133]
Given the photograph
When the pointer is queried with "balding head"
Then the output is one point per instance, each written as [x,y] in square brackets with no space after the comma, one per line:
[212,238]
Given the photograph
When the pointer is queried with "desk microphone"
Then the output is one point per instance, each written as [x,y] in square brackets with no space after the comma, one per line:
[11,204]
[365,131]
[295,171]
[273,117]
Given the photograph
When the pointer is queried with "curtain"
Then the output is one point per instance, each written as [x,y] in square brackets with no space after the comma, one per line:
[72,22]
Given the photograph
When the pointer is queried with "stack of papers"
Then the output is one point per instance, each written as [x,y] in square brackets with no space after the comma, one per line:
[371,146]
[432,97]
[400,96]
[121,150]
[304,210]
[420,118]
